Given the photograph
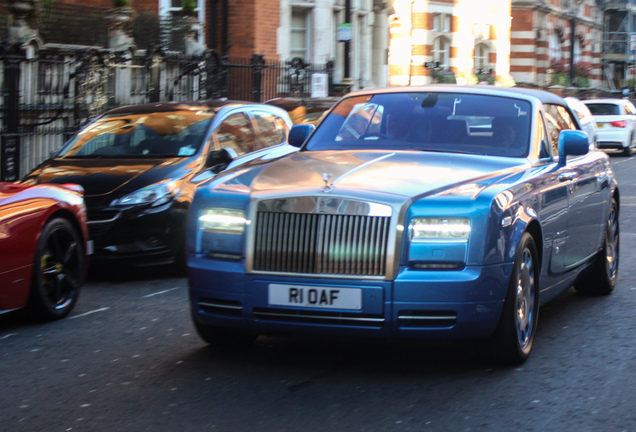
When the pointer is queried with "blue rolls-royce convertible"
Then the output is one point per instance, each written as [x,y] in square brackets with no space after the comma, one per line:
[440,212]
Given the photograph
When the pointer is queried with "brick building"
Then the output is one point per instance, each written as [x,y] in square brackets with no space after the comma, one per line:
[543,37]
[463,41]
[306,29]
[530,41]
[241,28]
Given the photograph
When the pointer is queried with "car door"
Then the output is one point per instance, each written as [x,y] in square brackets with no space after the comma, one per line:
[553,208]
[581,177]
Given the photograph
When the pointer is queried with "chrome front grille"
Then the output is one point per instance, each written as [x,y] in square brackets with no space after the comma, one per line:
[317,243]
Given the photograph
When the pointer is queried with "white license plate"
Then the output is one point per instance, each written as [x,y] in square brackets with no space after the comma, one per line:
[315,296]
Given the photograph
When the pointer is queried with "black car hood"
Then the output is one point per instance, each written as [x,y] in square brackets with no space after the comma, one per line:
[101,177]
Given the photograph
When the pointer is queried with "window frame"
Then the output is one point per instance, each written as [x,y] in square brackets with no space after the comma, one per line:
[440,51]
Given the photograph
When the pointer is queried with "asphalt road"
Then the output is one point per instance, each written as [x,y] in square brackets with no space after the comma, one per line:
[128,359]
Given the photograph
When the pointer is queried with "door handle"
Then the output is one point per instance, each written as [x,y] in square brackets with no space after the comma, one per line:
[568,176]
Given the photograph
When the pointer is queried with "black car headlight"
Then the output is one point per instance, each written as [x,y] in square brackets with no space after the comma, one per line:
[153,195]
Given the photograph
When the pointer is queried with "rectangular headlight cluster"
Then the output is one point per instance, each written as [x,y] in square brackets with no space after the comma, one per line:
[440,229]
[222,221]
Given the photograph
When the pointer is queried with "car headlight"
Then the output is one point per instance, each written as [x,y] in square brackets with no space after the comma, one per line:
[154,195]
[440,229]
[222,221]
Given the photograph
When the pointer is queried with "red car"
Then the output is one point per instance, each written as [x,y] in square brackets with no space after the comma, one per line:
[43,247]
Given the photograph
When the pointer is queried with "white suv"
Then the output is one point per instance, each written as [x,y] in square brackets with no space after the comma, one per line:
[616,121]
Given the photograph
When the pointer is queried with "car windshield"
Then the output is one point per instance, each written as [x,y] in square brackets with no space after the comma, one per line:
[428,121]
[165,134]
[604,109]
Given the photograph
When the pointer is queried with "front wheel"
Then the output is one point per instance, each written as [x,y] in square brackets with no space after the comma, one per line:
[513,339]
[603,273]
[58,270]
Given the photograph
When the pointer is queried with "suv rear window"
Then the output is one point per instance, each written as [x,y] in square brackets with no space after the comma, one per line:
[604,109]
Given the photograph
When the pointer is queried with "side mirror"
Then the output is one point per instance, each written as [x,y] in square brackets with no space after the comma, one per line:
[218,160]
[572,143]
[299,134]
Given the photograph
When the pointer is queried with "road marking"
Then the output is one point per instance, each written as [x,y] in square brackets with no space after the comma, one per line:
[8,336]
[90,312]
[160,292]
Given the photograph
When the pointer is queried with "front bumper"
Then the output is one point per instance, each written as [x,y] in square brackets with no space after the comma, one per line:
[463,304]
[139,236]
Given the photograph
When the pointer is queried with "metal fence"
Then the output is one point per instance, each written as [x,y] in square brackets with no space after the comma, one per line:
[48,96]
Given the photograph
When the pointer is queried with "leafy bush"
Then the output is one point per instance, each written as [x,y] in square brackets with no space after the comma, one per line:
[443,76]
[561,73]
[188,8]
[489,78]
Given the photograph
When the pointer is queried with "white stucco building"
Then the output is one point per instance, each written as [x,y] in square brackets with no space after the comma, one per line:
[309,30]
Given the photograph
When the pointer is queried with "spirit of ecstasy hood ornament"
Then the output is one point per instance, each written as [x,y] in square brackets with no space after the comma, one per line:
[328,187]
[327,177]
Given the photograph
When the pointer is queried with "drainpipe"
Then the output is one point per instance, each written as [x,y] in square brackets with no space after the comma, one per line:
[212,21]
[226,23]
[347,59]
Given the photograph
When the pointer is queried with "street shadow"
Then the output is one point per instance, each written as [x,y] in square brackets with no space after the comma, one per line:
[315,359]
[404,358]
[121,272]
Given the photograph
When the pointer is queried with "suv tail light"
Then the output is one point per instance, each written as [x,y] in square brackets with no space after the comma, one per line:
[619,123]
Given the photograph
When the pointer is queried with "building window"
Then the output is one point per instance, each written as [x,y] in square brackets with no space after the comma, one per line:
[577,50]
[482,54]
[554,47]
[300,32]
[442,23]
[441,49]
[173,7]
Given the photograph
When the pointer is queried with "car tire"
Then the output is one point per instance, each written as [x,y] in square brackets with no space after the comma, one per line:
[58,271]
[221,337]
[627,151]
[513,339]
[603,273]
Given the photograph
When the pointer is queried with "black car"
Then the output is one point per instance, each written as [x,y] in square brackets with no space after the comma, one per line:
[139,167]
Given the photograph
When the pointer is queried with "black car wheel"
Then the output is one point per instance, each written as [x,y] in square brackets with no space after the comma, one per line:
[513,339]
[603,274]
[58,270]
[627,151]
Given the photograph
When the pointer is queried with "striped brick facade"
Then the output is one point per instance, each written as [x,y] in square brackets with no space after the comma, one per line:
[422,30]
[541,33]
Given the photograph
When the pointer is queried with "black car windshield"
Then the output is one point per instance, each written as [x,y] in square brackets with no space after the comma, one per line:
[428,121]
[164,134]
